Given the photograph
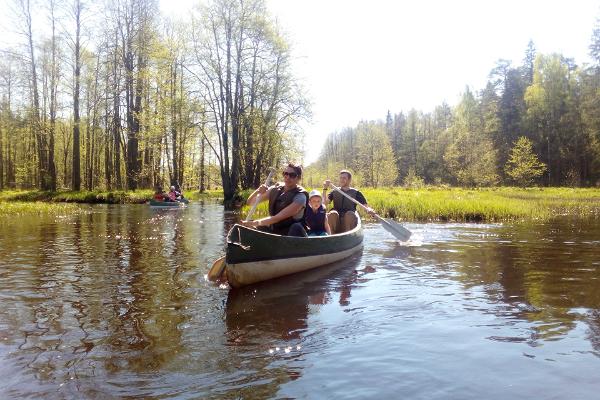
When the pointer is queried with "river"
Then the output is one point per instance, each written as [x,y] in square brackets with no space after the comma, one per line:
[113,303]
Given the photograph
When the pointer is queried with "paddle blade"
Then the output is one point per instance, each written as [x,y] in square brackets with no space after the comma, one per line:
[399,232]
[217,269]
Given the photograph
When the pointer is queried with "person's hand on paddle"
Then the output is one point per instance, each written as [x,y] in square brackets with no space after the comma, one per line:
[251,224]
[370,211]
[327,184]
[262,189]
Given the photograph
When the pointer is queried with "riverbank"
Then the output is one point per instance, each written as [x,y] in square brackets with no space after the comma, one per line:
[94,196]
[478,205]
[422,205]
[489,204]
[22,202]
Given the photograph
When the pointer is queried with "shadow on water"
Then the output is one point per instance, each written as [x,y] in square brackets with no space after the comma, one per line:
[273,318]
[280,307]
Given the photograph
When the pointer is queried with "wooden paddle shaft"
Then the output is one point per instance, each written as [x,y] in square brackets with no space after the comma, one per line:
[257,200]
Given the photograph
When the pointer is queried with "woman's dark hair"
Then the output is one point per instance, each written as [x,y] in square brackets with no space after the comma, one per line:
[297,168]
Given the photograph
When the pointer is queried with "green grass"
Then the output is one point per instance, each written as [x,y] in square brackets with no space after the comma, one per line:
[95,196]
[492,205]
[477,205]
[424,204]
[207,194]
[15,209]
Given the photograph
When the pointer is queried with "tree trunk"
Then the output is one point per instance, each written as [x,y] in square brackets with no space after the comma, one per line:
[53,105]
[76,170]
[36,128]
[202,170]
[175,171]
[1,156]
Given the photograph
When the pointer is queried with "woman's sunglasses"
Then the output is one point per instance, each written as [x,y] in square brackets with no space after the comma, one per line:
[290,174]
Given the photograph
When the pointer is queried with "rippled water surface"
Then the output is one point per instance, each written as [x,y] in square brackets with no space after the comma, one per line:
[113,303]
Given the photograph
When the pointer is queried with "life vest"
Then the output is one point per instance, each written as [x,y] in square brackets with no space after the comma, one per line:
[278,200]
[342,204]
[315,220]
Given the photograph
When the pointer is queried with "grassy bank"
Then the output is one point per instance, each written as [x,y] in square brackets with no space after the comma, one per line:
[97,196]
[425,204]
[207,194]
[84,196]
[15,209]
[478,205]
[497,204]
[22,202]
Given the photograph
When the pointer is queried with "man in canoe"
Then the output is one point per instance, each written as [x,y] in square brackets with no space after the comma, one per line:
[342,217]
[287,202]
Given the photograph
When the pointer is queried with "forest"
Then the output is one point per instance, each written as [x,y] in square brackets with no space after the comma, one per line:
[115,96]
[536,123]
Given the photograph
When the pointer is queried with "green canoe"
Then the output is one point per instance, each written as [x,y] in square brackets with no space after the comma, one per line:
[254,256]
[166,204]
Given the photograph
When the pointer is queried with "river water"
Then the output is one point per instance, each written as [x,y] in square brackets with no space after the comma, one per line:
[113,303]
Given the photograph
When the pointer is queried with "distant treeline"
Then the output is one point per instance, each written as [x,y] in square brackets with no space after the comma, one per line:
[535,123]
[112,95]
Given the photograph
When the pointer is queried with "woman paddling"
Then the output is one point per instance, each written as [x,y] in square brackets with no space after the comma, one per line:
[287,202]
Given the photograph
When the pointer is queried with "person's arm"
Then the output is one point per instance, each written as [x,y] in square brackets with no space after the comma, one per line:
[361,199]
[287,212]
[262,189]
[327,228]
[326,197]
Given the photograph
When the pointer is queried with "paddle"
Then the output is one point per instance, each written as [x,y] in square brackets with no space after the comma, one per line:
[218,267]
[389,225]
[257,200]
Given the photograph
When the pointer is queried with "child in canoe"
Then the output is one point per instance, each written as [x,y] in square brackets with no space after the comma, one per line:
[316,215]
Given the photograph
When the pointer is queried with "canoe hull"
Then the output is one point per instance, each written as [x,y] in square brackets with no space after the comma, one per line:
[243,274]
[165,204]
[254,256]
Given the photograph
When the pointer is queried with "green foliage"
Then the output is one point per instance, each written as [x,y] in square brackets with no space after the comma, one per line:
[412,180]
[91,197]
[471,157]
[548,99]
[523,165]
[375,156]
[14,209]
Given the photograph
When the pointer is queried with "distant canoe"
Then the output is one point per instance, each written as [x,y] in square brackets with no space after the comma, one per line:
[166,204]
[255,256]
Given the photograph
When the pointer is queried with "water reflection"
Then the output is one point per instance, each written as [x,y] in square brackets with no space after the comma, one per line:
[280,307]
[113,303]
[539,273]
[273,318]
[100,293]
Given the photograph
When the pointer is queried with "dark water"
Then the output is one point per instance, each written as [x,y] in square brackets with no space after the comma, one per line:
[114,304]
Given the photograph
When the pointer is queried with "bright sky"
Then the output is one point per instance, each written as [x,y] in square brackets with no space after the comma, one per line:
[361,58]
[357,58]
